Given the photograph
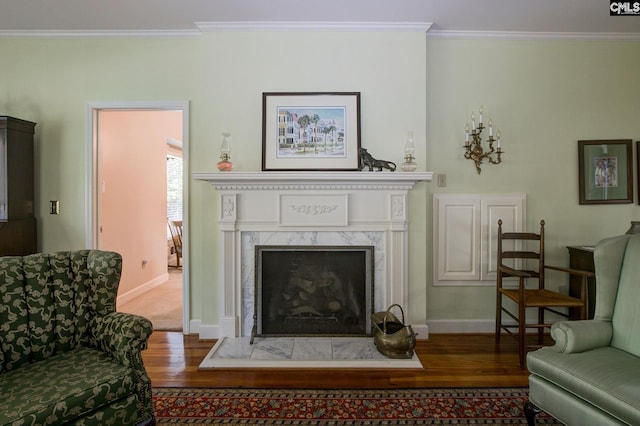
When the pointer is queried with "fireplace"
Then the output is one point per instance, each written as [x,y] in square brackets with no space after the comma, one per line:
[313,290]
[308,209]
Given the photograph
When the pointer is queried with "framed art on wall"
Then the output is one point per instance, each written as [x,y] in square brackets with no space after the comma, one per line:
[310,131]
[638,168]
[605,171]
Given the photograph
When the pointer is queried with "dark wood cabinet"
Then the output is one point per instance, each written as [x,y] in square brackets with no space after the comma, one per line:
[18,235]
[581,257]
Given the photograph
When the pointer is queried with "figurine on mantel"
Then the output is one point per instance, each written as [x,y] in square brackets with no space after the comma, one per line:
[367,160]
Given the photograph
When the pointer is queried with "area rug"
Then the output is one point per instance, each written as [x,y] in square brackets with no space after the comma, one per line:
[461,406]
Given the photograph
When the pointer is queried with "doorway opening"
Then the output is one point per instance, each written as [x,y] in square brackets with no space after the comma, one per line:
[133,196]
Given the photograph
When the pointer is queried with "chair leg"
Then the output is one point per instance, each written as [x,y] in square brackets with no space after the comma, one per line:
[540,329]
[498,317]
[522,331]
[530,413]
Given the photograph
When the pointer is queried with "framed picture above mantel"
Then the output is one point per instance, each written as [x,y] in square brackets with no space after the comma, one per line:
[304,131]
[605,171]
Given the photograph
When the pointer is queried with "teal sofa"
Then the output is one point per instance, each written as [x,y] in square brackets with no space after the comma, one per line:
[66,356]
[591,376]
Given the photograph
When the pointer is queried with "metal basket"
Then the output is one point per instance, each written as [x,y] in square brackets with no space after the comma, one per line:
[391,336]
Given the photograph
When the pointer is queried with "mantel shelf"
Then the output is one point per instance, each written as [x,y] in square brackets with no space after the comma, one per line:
[313,180]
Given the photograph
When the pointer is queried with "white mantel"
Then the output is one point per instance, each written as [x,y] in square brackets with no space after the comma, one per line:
[309,208]
[321,180]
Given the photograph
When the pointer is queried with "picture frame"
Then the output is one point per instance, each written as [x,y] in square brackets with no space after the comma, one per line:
[638,168]
[310,131]
[605,171]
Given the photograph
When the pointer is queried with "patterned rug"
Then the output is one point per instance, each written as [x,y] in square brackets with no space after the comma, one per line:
[462,406]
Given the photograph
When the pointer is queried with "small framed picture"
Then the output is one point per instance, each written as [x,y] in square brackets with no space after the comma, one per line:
[605,171]
[638,168]
[311,131]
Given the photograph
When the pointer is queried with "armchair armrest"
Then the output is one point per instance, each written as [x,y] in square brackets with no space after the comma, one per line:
[122,336]
[581,336]
[579,272]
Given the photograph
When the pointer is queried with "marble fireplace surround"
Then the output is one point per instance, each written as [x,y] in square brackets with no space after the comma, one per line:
[308,208]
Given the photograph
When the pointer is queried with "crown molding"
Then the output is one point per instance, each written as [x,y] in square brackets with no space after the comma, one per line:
[514,35]
[47,34]
[320,26]
[313,26]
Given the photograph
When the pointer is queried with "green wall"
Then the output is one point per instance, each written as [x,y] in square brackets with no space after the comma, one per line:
[543,94]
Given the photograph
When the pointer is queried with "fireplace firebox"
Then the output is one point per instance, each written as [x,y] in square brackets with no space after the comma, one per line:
[313,290]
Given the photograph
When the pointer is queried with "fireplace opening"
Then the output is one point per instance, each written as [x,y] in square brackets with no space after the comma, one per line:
[313,291]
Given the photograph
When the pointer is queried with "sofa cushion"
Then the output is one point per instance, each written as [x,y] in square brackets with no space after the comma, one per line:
[607,378]
[63,387]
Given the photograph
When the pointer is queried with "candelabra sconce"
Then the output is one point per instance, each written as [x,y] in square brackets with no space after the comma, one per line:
[225,165]
[473,143]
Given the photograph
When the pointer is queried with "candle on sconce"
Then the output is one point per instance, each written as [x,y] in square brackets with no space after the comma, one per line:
[490,128]
[481,111]
[473,121]
[498,145]
[466,133]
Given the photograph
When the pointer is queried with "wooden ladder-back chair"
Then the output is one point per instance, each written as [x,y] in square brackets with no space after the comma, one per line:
[525,256]
[175,227]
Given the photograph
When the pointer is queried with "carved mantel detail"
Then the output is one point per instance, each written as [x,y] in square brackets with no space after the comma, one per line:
[313,209]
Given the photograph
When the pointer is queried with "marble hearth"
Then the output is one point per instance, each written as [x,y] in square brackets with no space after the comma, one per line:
[308,209]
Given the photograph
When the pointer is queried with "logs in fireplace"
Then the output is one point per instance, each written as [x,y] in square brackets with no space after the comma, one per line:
[313,291]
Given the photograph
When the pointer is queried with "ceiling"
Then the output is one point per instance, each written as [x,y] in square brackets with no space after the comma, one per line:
[520,16]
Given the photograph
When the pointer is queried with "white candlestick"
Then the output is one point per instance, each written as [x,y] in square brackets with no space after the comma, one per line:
[473,121]
[481,111]
[490,128]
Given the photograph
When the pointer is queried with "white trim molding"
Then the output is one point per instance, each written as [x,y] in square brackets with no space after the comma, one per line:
[313,26]
[522,35]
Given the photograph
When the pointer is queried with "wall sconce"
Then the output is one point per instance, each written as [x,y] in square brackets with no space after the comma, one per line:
[473,147]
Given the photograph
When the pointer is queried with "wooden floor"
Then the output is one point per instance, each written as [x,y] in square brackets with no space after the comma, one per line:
[449,360]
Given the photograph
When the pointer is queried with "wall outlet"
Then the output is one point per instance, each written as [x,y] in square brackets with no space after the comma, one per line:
[442,180]
[54,207]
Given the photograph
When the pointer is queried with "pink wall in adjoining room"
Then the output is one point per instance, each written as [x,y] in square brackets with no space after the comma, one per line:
[132,186]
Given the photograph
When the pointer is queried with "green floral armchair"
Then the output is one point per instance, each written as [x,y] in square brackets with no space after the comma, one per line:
[66,356]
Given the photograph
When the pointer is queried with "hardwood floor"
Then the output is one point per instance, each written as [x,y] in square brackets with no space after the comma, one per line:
[449,360]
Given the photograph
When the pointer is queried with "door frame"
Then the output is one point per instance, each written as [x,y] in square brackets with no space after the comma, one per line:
[92,184]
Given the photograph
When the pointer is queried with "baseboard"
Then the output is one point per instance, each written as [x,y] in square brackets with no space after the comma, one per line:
[212,331]
[204,331]
[462,326]
[142,289]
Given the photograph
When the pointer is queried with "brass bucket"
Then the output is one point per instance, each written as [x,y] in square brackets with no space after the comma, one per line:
[391,336]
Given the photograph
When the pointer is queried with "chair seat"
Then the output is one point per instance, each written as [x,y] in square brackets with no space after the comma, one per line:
[546,298]
[64,387]
[605,377]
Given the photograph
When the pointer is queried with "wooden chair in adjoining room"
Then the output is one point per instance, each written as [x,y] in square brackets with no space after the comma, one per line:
[175,227]
[521,255]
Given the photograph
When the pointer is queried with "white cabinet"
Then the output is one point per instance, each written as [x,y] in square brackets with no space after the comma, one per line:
[465,228]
